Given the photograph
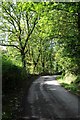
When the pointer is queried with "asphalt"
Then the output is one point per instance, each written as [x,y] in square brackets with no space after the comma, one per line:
[47,100]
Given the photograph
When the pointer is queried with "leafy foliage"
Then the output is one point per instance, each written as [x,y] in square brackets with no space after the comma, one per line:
[71,83]
[46,35]
[15,82]
[11,75]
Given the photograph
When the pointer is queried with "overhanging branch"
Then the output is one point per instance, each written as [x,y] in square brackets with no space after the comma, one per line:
[10,46]
[13,18]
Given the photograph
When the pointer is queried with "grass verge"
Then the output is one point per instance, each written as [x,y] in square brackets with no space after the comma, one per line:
[71,83]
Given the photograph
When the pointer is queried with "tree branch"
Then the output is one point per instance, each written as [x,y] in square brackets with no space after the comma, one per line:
[10,46]
[13,18]
[20,34]
[9,14]
[27,22]
[26,51]
[30,32]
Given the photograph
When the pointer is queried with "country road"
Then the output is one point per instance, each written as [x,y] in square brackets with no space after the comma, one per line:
[47,99]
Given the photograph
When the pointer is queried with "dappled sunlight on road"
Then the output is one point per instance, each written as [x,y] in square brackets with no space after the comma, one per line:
[49,77]
[53,89]
[47,93]
[53,82]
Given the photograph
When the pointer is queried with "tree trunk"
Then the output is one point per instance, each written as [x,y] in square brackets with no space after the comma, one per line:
[51,66]
[23,60]
[43,64]
[35,64]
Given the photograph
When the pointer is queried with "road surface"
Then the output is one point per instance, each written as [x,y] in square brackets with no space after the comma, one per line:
[48,100]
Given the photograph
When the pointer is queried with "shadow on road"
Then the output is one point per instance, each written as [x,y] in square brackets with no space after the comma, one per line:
[48,100]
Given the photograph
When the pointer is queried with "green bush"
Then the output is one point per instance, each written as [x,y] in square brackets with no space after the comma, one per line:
[70,82]
[11,75]
[77,81]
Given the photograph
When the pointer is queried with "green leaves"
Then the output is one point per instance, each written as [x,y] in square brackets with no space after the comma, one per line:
[44,31]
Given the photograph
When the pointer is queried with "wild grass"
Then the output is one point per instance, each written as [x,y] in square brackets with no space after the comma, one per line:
[71,83]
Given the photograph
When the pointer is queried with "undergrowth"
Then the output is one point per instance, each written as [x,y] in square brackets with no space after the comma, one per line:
[14,85]
[70,82]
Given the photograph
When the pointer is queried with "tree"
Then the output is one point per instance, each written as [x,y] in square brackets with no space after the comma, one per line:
[68,42]
[45,34]
[18,22]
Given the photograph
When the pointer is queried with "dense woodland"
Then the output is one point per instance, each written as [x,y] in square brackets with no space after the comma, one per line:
[43,37]
[39,38]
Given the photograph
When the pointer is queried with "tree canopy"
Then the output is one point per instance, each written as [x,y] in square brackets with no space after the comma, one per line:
[45,36]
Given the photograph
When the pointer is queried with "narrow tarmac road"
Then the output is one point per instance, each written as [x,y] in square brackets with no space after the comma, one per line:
[47,99]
